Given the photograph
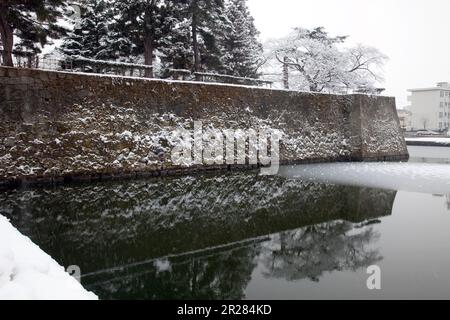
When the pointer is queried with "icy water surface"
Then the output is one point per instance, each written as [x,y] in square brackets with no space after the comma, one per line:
[310,232]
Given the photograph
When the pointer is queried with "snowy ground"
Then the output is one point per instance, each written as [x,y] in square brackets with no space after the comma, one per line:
[28,273]
[433,140]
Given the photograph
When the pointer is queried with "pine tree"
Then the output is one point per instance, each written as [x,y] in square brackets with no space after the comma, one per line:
[178,53]
[243,51]
[146,25]
[196,41]
[207,27]
[91,37]
[33,22]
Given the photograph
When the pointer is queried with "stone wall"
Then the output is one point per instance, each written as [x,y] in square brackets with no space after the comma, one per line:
[57,126]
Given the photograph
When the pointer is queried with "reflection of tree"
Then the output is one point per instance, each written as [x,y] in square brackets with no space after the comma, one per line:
[311,251]
[222,275]
[305,253]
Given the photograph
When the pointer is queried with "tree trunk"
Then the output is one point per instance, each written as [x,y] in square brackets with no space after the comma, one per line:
[6,36]
[148,55]
[194,37]
[286,73]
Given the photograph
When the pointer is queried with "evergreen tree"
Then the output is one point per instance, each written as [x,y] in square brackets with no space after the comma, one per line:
[196,40]
[223,39]
[243,51]
[207,28]
[91,37]
[178,53]
[145,25]
[33,22]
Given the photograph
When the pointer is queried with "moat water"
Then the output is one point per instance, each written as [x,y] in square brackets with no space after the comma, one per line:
[310,232]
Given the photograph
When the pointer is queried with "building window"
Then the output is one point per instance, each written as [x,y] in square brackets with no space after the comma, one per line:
[440,125]
[442,94]
[442,104]
[441,114]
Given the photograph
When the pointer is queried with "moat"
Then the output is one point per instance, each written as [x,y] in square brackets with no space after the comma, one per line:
[310,232]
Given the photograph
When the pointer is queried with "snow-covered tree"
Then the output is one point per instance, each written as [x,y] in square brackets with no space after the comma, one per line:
[178,54]
[317,62]
[207,25]
[364,66]
[243,51]
[33,22]
[91,36]
[196,41]
[145,25]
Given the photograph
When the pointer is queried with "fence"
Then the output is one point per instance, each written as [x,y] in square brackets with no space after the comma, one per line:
[182,74]
[78,64]
[221,78]
[22,59]
[108,67]
[81,64]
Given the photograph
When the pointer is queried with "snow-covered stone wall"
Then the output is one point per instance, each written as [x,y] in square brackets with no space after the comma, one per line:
[57,126]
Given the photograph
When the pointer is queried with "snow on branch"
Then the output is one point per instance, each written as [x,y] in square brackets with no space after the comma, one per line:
[314,61]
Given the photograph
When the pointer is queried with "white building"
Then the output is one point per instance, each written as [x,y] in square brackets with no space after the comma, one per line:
[430,107]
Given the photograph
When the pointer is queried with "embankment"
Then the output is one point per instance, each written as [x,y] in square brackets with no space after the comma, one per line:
[57,126]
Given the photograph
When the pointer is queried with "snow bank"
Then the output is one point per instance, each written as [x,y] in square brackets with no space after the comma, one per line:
[28,273]
[433,140]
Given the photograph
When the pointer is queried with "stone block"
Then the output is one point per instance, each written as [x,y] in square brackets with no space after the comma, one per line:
[26,80]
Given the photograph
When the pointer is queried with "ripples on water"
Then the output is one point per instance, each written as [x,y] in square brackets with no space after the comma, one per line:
[310,232]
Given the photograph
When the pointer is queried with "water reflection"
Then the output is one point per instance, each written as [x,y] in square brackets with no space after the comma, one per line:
[311,251]
[201,237]
[429,154]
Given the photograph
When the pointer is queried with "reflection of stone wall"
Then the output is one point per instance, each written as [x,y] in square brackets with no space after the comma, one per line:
[111,224]
[56,126]
[199,235]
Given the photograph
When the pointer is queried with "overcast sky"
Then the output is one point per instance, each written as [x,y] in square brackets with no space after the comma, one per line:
[415,34]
